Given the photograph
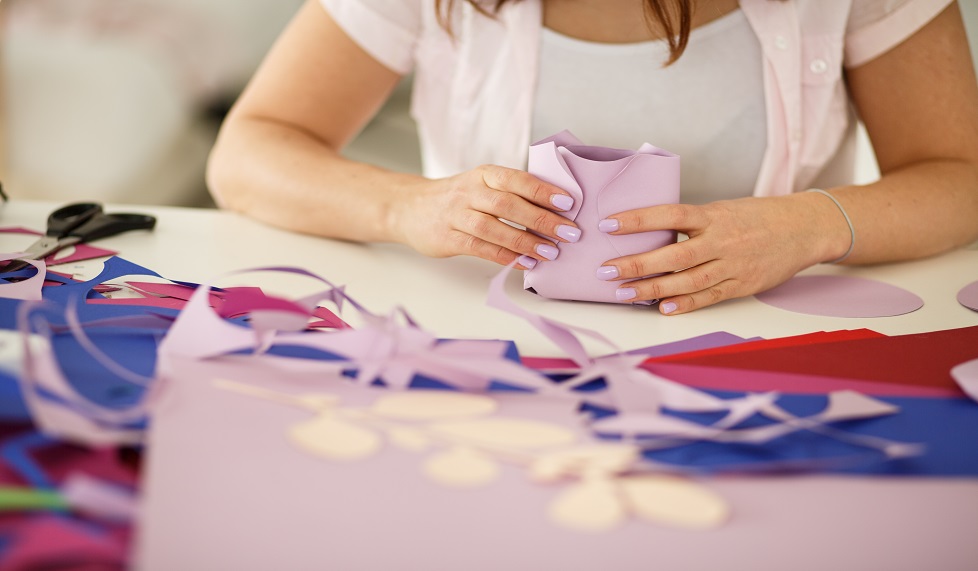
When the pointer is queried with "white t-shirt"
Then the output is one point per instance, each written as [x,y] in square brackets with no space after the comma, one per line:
[708,107]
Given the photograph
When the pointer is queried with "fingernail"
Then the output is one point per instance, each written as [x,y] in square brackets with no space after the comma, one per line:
[527,262]
[607,273]
[569,233]
[625,293]
[547,251]
[668,307]
[562,201]
[609,225]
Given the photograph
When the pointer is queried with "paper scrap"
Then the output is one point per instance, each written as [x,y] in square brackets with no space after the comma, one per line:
[966,375]
[968,296]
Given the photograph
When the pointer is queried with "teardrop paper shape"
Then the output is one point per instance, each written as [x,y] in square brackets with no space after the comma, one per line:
[841,296]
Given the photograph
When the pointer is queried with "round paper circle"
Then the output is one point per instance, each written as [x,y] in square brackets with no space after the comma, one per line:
[841,296]
[968,296]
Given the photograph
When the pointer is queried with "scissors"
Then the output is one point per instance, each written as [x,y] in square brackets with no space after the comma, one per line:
[77,223]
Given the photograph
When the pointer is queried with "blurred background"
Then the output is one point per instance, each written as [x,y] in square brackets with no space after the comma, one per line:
[120,100]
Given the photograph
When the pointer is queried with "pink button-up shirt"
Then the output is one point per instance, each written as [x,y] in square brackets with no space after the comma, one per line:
[473,90]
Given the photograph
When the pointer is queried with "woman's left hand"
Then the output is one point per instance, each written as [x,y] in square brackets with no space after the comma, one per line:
[735,248]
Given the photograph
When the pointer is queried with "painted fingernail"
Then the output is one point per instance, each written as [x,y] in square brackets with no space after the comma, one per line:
[609,225]
[625,293]
[547,251]
[607,273]
[668,307]
[562,201]
[527,262]
[569,233]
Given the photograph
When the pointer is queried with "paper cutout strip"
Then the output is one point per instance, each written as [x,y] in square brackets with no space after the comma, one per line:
[841,296]
[603,182]
[968,296]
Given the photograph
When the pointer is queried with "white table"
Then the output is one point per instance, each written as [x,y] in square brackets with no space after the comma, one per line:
[802,523]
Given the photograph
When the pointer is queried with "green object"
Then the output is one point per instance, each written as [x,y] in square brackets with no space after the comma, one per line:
[18,499]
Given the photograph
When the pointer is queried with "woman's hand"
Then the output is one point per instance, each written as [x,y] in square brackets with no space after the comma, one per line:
[735,248]
[461,215]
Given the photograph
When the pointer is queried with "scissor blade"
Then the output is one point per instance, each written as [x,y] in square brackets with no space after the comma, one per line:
[42,248]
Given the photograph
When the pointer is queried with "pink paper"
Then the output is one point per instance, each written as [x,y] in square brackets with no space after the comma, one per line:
[52,542]
[603,182]
[968,296]
[841,296]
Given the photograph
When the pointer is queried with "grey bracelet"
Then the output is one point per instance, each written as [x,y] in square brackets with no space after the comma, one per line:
[852,231]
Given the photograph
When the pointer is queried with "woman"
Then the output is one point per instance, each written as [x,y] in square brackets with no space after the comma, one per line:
[758,103]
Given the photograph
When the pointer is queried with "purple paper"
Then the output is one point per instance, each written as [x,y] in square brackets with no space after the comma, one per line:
[603,182]
[698,343]
[968,296]
[841,296]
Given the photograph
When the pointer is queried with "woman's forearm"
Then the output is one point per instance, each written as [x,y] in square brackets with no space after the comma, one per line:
[284,176]
[914,211]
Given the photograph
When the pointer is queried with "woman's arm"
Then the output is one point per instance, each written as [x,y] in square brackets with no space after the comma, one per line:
[277,159]
[920,105]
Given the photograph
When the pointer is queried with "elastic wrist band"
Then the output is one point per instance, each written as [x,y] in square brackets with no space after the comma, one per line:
[852,231]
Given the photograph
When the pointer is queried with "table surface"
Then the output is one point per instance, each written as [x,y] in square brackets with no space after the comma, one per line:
[925,522]
[447,296]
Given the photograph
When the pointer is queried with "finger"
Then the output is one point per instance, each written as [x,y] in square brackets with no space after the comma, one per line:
[473,246]
[685,218]
[531,188]
[699,278]
[670,258]
[494,231]
[515,208]
[724,290]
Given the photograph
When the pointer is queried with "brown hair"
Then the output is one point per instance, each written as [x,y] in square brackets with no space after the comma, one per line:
[671,18]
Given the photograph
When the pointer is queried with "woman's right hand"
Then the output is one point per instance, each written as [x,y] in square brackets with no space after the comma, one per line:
[461,215]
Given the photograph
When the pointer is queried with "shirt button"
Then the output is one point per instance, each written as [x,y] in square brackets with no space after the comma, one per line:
[818,66]
[781,42]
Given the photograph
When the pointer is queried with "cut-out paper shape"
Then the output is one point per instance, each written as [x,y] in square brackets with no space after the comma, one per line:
[604,486]
[966,375]
[603,182]
[461,467]
[674,501]
[28,289]
[968,296]
[841,296]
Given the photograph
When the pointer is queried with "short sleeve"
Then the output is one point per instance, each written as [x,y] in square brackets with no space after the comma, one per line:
[876,26]
[388,30]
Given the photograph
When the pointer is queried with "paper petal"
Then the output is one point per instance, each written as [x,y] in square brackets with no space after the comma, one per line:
[968,296]
[841,296]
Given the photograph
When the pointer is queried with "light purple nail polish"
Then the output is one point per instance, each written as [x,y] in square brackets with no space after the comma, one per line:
[607,273]
[668,307]
[562,201]
[527,262]
[547,251]
[569,233]
[625,293]
[609,225]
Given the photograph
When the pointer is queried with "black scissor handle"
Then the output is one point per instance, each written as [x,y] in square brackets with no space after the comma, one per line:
[105,225]
[65,219]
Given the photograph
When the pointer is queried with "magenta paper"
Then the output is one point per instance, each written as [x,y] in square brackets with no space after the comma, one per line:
[841,296]
[603,182]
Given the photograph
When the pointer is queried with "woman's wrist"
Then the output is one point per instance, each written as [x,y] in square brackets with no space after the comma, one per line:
[834,235]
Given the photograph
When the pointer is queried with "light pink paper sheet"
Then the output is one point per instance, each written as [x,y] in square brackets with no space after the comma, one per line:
[966,375]
[841,296]
[260,503]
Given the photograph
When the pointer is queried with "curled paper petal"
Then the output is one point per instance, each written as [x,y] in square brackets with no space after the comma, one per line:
[461,467]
